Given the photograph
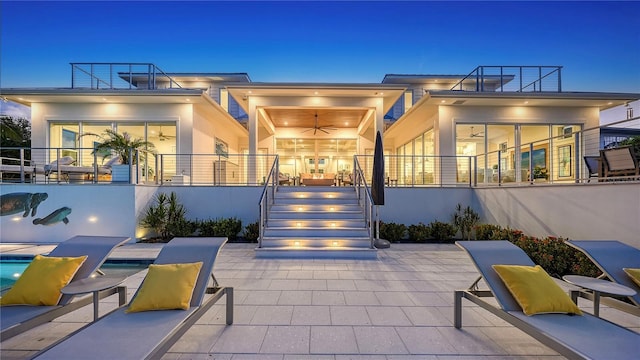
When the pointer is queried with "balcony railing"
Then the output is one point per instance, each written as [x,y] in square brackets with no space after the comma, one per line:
[562,156]
[512,79]
[120,76]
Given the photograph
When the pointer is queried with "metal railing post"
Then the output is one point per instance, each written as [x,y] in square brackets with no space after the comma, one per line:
[531,176]
[576,158]
[499,168]
[95,167]
[22,176]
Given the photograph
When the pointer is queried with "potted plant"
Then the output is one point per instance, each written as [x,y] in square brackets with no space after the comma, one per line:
[122,146]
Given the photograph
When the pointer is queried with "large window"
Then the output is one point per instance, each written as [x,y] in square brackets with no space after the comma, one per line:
[316,156]
[414,161]
[79,139]
[515,152]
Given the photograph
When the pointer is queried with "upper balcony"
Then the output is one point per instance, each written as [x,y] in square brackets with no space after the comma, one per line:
[121,76]
[512,79]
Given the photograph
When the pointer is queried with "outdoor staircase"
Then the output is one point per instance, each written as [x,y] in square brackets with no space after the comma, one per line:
[316,222]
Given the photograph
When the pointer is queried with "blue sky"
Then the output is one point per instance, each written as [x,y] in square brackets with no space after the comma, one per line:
[598,43]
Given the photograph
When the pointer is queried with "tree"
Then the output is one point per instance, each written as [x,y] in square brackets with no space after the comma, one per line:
[14,133]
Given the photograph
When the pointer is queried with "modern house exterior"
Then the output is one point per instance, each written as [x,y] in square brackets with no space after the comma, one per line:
[492,126]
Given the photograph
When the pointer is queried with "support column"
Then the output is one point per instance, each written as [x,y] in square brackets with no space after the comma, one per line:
[379,121]
[252,124]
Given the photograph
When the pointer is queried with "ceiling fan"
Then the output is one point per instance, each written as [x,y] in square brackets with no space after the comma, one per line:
[164,137]
[479,134]
[315,127]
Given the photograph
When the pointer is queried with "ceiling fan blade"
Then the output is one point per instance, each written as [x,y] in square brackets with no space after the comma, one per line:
[323,130]
[307,130]
[315,130]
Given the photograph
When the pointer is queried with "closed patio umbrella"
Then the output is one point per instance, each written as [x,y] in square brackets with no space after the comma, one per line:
[377,188]
[377,180]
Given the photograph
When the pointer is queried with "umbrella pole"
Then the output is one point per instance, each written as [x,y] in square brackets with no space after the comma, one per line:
[377,223]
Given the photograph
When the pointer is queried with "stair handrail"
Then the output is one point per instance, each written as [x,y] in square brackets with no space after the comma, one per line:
[265,199]
[366,201]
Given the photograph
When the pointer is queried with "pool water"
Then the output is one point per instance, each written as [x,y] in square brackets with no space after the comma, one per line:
[10,270]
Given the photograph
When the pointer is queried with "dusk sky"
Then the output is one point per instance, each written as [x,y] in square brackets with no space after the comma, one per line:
[597,43]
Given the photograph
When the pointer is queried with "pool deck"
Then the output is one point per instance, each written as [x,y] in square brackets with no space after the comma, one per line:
[397,307]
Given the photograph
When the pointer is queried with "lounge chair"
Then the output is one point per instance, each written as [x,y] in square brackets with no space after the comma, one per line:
[63,168]
[611,257]
[17,166]
[593,166]
[573,336]
[620,162]
[149,334]
[20,318]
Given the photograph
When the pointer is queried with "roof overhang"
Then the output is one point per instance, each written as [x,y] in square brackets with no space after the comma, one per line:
[66,95]
[389,93]
[551,99]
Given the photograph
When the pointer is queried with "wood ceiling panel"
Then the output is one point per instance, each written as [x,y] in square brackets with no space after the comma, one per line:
[304,117]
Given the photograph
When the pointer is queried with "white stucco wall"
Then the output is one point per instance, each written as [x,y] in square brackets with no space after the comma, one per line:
[608,211]
[108,210]
[590,212]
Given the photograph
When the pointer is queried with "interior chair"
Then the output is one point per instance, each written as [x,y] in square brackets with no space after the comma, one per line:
[149,334]
[612,257]
[573,336]
[16,319]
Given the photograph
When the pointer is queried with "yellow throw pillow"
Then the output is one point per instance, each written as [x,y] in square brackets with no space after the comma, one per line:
[42,280]
[634,274]
[535,291]
[168,286]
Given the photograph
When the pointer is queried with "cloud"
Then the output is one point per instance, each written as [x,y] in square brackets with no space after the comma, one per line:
[15,110]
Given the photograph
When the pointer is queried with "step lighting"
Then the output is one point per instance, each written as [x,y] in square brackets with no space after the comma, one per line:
[335,243]
[301,196]
[333,224]
[300,209]
[296,243]
[330,196]
[298,224]
[331,208]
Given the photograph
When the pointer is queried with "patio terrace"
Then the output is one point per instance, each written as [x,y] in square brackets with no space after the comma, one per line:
[399,306]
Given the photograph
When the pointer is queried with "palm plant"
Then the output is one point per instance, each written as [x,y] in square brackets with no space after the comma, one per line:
[121,145]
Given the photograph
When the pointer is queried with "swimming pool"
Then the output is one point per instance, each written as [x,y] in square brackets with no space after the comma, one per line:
[10,270]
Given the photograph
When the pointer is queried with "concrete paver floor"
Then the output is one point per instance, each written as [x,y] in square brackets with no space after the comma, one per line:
[397,307]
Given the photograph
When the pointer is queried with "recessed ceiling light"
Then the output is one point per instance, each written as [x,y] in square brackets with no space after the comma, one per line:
[381,93]
[346,124]
[526,102]
[609,103]
[104,99]
[286,123]
[249,92]
[315,93]
[20,99]
[188,99]
[443,101]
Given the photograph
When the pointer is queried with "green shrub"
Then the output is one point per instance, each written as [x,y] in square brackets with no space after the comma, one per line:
[229,228]
[465,220]
[441,231]
[167,218]
[418,233]
[392,231]
[252,231]
[556,257]
[488,232]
